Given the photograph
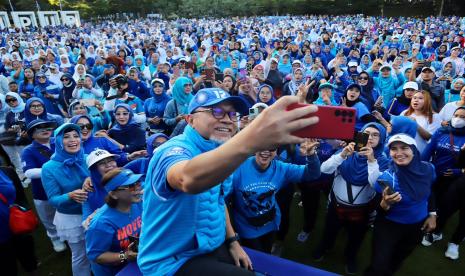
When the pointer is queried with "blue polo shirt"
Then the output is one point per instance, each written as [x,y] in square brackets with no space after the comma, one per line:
[33,157]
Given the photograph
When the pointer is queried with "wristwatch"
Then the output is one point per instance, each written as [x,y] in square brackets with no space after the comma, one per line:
[122,257]
[232,239]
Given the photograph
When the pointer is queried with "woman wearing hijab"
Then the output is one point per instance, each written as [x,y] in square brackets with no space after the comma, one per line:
[144,70]
[69,84]
[352,99]
[35,109]
[284,65]
[401,103]
[325,94]
[107,248]
[387,83]
[453,94]
[368,92]
[405,212]
[444,150]
[49,93]
[26,87]
[63,177]
[15,125]
[352,198]
[155,106]
[176,108]
[292,87]
[65,65]
[126,131]
[265,95]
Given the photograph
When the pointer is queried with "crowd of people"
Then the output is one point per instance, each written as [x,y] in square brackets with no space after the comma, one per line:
[168,142]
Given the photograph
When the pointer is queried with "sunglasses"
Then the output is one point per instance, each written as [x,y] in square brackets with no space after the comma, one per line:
[86,126]
[64,79]
[41,77]
[48,129]
[11,100]
[219,113]
[131,187]
[362,78]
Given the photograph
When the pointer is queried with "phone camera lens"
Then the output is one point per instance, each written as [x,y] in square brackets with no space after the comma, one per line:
[337,113]
[351,114]
[344,113]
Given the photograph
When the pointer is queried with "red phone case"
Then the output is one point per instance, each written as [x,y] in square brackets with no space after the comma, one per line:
[336,122]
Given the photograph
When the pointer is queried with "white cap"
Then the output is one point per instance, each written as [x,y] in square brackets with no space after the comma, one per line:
[352,64]
[97,155]
[296,61]
[456,47]
[410,85]
[274,60]
[404,138]
[157,80]
[430,68]
[385,66]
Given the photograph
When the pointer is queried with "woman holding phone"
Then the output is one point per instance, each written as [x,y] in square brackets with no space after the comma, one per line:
[405,211]
[351,197]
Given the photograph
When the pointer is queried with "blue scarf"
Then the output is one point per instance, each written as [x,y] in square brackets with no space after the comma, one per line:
[159,98]
[354,169]
[150,140]
[70,161]
[27,113]
[416,178]
[182,99]
[131,121]
[403,124]
[272,100]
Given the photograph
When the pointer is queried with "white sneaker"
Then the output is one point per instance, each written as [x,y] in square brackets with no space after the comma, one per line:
[303,236]
[58,246]
[452,251]
[429,238]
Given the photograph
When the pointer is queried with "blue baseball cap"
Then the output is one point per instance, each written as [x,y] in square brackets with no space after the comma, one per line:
[124,178]
[211,96]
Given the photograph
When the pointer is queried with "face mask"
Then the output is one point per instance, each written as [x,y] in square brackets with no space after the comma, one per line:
[457,122]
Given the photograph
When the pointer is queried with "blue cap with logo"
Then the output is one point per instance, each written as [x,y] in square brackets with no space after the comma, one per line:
[124,178]
[211,96]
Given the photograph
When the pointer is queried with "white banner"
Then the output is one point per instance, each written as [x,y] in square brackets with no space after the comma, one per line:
[25,19]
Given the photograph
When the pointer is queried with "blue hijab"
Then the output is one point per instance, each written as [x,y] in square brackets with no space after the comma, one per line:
[27,113]
[182,99]
[131,121]
[403,124]
[272,100]
[159,98]
[150,147]
[416,178]
[75,161]
[354,169]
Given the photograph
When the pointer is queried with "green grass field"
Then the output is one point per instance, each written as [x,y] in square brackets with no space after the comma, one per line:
[424,261]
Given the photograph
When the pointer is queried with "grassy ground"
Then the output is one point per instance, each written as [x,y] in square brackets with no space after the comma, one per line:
[424,261]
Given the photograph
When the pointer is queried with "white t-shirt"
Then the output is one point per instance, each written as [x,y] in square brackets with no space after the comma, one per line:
[430,127]
[448,110]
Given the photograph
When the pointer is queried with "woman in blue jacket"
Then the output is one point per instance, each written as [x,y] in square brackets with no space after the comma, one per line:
[155,106]
[49,93]
[63,177]
[35,109]
[255,183]
[405,208]
[126,131]
[444,150]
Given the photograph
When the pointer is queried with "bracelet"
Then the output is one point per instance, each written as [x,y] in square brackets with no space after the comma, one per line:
[232,239]
[122,257]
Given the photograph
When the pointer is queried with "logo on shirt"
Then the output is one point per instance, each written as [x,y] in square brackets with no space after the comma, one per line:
[176,151]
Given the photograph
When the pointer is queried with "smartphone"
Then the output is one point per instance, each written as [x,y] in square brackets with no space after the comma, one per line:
[384,183]
[249,67]
[219,77]
[242,75]
[427,63]
[361,140]
[209,74]
[335,122]
[134,240]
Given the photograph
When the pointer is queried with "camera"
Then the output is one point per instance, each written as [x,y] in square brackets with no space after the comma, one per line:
[120,80]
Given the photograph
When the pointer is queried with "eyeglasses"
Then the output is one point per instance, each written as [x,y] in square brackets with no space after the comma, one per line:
[374,134]
[219,113]
[105,161]
[188,85]
[11,100]
[39,106]
[42,77]
[122,114]
[64,79]
[131,187]
[86,126]
[362,78]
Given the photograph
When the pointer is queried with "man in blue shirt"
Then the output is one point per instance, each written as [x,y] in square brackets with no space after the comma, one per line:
[186,228]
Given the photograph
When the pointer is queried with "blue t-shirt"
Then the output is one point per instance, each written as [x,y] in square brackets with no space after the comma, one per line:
[255,209]
[109,231]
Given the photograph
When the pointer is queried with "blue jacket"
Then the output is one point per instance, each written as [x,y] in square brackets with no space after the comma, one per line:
[178,225]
